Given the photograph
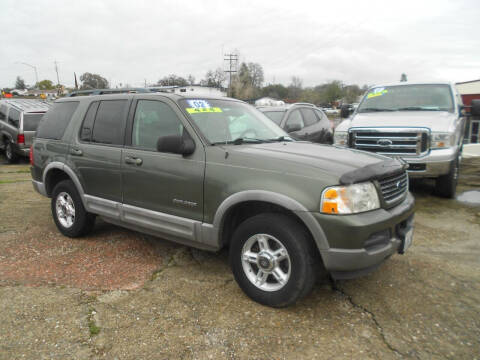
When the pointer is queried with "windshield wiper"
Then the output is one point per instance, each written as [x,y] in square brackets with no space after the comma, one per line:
[239,141]
[280,138]
[371,109]
[419,108]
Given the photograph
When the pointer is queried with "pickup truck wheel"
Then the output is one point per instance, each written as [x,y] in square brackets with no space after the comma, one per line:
[10,154]
[446,185]
[68,211]
[273,259]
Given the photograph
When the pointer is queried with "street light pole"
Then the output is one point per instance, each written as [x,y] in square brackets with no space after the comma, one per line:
[34,68]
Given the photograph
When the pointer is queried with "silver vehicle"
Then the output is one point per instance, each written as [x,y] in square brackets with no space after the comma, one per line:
[423,123]
[18,122]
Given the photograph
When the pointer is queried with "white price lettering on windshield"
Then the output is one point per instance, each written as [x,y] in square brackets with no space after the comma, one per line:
[197,104]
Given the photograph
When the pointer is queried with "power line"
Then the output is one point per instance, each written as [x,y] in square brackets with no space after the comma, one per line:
[232,59]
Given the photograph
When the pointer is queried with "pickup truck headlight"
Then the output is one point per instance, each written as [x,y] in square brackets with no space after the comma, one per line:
[442,140]
[349,199]
[340,138]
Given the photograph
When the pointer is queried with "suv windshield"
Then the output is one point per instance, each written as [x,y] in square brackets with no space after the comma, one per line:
[30,121]
[408,98]
[226,121]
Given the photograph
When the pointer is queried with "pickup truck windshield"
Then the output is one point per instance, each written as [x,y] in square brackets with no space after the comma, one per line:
[408,98]
[226,121]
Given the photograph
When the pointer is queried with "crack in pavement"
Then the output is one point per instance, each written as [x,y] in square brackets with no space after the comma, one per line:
[379,327]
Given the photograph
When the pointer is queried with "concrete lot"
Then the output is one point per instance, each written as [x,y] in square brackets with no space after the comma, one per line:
[117,294]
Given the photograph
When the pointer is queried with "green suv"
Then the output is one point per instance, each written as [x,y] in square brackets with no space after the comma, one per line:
[215,172]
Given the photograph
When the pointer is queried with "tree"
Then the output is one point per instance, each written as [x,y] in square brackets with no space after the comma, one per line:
[277,91]
[255,71]
[93,81]
[172,80]
[295,88]
[20,83]
[214,78]
[45,85]
[333,91]
[191,79]
[403,77]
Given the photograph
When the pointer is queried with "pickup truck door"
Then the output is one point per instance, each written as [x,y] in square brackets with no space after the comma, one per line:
[164,183]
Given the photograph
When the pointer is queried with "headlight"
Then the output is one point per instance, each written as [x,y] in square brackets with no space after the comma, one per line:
[442,140]
[349,199]
[340,138]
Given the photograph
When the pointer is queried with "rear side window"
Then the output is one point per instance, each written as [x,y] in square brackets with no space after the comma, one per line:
[87,126]
[109,125]
[31,121]
[309,117]
[3,112]
[14,117]
[56,120]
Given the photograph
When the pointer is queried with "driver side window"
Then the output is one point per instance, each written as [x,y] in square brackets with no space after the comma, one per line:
[152,120]
[294,120]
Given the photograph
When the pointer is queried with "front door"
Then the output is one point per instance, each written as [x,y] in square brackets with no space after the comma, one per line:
[161,182]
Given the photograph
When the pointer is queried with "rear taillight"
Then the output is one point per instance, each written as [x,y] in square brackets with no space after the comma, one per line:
[20,139]
[31,155]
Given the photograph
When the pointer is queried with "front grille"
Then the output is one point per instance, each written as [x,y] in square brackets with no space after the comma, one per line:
[391,141]
[394,187]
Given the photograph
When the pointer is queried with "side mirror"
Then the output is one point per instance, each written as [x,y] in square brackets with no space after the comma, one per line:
[475,110]
[176,144]
[293,127]
[345,111]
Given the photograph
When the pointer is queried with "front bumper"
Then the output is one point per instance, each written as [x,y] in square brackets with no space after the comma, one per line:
[359,243]
[436,163]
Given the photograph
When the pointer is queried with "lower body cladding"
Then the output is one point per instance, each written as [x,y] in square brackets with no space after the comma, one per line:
[360,243]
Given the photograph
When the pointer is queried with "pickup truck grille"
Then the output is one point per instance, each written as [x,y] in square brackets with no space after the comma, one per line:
[390,141]
[394,187]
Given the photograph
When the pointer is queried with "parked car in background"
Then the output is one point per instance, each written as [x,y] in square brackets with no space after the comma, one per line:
[213,172]
[423,123]
[19,119]
[302,121]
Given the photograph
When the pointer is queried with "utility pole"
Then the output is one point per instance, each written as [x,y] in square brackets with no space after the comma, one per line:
[56,70]
[34,68]
[232,59]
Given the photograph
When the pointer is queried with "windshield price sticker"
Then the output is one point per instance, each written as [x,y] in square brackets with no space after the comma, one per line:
[377,92]
[197,104]
[204,110]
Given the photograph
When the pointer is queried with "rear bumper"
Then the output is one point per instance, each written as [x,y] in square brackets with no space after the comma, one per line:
[360,243]
[39,187]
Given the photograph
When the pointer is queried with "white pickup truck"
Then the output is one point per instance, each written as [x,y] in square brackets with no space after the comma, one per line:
[423,123]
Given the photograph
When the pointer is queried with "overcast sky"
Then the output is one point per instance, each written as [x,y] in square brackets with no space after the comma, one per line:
[358,42]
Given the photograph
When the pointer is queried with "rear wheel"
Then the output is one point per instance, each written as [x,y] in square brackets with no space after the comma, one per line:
[446,185]
[68,211]
[10,154]
[273,259]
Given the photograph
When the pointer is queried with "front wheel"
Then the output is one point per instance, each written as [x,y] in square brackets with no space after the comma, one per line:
[273,259]
[446,185]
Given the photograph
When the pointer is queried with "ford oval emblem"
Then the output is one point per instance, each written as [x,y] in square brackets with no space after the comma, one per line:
[384,142]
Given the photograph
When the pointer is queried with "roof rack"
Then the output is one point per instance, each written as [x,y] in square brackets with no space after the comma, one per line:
[28,105]
[109,91]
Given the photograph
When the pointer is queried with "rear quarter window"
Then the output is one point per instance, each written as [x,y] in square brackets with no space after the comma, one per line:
[56,120]
[3,112]
[31,121]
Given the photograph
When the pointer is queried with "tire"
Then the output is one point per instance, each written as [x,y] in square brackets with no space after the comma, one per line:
[446,185]
[78,224]
[299,268]
[10,154]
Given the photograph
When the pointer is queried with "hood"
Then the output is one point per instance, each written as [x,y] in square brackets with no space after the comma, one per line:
[434,120]
[302,159]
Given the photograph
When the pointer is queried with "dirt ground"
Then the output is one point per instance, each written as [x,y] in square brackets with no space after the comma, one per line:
[117,294]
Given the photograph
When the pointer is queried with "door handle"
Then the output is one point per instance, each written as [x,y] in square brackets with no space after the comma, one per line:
[76,152]
[133,160]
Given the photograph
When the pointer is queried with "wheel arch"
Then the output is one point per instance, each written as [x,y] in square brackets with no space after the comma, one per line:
[258,201]
[56,172]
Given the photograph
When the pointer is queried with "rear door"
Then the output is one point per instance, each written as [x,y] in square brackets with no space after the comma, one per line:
[97,149]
